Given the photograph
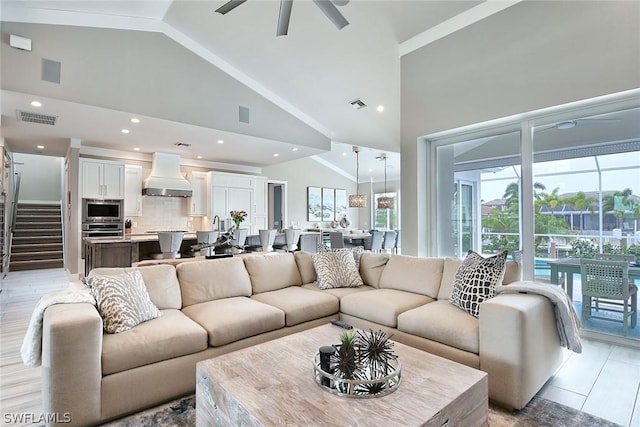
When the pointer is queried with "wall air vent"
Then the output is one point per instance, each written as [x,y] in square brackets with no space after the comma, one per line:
[43,119]
[358,104]
[182,144]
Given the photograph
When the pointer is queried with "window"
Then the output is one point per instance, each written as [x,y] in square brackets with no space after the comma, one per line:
[386,219]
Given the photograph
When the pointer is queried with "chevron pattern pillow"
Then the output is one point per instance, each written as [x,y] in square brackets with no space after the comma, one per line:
[122,300]
[336,269]
[476,281]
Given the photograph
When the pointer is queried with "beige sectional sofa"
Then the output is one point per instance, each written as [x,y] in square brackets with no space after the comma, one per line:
[214,307]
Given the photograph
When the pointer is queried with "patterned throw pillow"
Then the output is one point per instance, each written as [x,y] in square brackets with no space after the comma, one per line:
[357,252]
[336,270]
[476,281]
[122,300]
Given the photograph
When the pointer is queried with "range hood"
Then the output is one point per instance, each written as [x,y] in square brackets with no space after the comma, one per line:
[166,178]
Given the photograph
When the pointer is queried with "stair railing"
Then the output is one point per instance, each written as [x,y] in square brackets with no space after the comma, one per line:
[16,194]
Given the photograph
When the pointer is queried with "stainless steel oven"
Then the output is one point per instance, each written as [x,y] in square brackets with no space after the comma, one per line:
[102,229]
[101,211]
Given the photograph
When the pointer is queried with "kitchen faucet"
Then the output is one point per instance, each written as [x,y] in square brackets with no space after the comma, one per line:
[214,223]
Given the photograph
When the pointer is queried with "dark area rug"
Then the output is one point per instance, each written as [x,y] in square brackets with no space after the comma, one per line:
[538,413]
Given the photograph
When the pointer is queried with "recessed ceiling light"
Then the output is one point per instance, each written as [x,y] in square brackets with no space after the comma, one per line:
[125,131]
[36,104]
[380,108]
[220,141]
[344,153]
[294,149]
[40,147]
[370,170]
[276,155]
[198,157]
[135,120]
[136,149]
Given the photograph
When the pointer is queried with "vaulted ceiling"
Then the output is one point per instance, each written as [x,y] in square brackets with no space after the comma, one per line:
[185,71]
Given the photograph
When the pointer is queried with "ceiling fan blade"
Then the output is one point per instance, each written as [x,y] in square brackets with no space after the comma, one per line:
[229,6]
[283,17]
[331,11]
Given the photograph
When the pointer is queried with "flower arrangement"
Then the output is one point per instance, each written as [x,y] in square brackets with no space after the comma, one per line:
[238,217]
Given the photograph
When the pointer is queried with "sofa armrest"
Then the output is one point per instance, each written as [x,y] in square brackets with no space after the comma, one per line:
[519,346]
[71,362]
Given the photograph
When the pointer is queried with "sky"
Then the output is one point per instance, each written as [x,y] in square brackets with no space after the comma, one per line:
[619,171]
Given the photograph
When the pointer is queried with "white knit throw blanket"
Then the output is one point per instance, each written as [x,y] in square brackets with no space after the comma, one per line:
[567,320]
[31,350]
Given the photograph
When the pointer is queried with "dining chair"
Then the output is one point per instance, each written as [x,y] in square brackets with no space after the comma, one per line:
[397,246]
[389,241]
[337,239]
[607,282]
[374,243]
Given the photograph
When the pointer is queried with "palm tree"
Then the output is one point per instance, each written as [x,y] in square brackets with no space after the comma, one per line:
[609,203]
[580,202]
[512,194]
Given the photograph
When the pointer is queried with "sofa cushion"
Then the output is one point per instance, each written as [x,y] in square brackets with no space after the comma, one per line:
[232,319]
[336,269]
[171,335]
[160,280]
[412,274]
[337,292]
[300,305]
[122,301]
[202,281]
[269,272]
[356,251]
[451,265]
[371,267]
[381,305]
[476,281]
[442,322]
[305,266]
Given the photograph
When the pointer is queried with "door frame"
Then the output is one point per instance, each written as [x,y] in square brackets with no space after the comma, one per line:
[270,184]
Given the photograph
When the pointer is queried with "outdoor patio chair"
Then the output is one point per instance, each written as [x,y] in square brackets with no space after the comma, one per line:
[616,257]
[607,282]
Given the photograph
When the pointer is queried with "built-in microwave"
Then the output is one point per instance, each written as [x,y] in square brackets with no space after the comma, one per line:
[101,211]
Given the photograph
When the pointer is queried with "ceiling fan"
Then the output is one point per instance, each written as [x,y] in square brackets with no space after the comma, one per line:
[328,7]
[570,124]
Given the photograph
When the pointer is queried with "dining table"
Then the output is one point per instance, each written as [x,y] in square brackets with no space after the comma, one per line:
[356,238]
[567,267]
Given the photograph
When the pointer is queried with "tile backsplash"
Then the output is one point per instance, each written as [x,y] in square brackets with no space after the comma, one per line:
[165,213]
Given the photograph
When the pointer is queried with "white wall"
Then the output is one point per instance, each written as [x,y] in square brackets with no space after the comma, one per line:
[530,56]
[304,173]
[41,177]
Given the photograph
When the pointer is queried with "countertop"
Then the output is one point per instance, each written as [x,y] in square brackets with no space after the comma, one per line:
[134,238]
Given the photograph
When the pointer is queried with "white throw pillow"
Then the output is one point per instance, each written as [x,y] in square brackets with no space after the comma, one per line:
[336,270]
[122,300]
[476,281]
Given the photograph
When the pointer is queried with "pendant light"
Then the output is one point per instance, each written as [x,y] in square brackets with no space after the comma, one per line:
[385,202]
[357,200]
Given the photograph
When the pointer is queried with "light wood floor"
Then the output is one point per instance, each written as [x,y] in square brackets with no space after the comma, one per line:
[604,380]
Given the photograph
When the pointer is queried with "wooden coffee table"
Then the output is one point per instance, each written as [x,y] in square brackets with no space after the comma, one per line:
[272,384]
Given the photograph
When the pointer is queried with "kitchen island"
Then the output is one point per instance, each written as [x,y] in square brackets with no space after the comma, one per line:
[124,251]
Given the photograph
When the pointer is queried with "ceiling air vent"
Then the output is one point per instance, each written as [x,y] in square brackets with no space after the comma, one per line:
[43,119]
[358,104]
[182,144]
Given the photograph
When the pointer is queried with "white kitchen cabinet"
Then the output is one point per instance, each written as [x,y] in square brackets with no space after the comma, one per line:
[260,205]
[132,190]
[102,179]
[198,205]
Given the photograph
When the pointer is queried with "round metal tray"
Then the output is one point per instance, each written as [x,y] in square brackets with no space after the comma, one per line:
[359,389]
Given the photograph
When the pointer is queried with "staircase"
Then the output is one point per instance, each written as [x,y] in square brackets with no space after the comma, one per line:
[37,237]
